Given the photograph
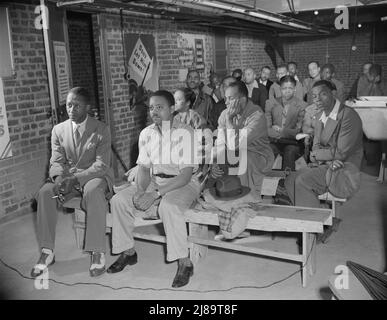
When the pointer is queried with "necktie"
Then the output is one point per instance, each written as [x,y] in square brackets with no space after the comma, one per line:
[77,136]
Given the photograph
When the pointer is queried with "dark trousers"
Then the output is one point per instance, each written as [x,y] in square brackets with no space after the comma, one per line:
[93,202]
[290,153]
[305,185]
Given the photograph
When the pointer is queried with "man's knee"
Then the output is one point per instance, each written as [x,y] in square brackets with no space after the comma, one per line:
[94,189]
[46,190]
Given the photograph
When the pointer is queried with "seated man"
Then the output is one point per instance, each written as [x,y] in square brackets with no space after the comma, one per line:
[284,118]
[203,103]
[370,84]
[242,114]
[164,179]
[221,105]
[314,75]
[237,74]
[328,73]
[264,78]
[257,91]
[80,160]
[275,89]
[338,139]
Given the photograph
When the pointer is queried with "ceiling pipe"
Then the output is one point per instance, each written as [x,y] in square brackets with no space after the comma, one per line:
[72,2]
[244,12]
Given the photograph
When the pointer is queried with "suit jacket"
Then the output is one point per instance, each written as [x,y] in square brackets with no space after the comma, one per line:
[293,121]
[253,120]
[203,105]
[259,96]
[349,137]
[90,160]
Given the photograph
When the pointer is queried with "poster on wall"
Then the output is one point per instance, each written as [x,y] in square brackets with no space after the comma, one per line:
[5,141]
[142,61]
[62,70]
[191,54]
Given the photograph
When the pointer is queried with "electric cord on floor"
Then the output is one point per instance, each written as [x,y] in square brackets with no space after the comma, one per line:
[167,289]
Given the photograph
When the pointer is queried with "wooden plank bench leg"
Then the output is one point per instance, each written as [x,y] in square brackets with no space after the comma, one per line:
[312,262]
[304,272]
[197,251]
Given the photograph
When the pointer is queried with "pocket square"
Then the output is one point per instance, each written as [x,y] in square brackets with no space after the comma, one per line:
[91,145]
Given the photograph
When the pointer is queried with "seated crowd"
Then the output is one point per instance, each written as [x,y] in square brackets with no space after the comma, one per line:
[243,116]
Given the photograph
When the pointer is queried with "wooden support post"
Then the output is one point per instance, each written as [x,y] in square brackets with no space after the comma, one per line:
[197,251]
[305,245]
[312,263]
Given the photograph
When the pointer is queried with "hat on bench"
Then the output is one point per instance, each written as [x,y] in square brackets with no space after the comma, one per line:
[228,188]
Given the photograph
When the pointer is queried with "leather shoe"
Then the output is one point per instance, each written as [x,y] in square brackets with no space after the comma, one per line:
[182,276]
[122,261]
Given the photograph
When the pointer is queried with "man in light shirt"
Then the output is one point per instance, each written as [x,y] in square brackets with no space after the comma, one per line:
[264,78]
[165,187]
[79,165]
[314,75]
[337,139]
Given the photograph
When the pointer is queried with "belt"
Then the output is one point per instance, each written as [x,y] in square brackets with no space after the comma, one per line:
[163,175]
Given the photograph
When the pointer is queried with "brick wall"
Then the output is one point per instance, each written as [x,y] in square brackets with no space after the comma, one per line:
[248,50]
[337,50]
[27,102]
[129,123]
[82,54]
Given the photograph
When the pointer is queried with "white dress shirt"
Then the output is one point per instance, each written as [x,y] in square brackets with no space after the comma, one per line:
[332,115]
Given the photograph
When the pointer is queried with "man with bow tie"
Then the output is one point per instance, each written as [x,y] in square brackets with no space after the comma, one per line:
[337,143]
[79,165]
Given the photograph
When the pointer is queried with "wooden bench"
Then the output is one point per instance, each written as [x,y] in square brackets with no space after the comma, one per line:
[270,217]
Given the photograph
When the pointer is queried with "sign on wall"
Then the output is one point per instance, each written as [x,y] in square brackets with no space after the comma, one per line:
[5,141]
[142,64]
[62,70]
[191,55]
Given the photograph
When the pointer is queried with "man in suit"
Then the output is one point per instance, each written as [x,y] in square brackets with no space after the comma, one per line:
[314,75]
[80,160]
[221,104]
[257,91]
[163,186]
[328,73]
[203,103]
[264,78]
[333,145]
[275,90]
[242,114]
[284,118]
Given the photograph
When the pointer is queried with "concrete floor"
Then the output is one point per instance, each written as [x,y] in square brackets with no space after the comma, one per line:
[360,238]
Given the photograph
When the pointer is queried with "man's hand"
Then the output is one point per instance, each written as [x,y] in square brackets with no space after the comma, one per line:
[277,128]
[216,171]
[336,165]
[144,201]
[232,110]
[68,184]
[312,157]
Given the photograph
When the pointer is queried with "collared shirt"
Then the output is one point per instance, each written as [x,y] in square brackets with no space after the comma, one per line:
[332,114]
[161,151]
[81,126]
[262,82]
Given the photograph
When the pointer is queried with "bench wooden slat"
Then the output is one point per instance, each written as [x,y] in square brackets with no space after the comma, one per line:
[241,248]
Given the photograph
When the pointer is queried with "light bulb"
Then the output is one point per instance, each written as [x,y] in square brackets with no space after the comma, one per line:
[316,12]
